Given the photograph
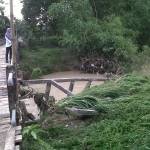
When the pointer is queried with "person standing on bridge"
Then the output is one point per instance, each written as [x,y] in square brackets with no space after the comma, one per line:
[8,38]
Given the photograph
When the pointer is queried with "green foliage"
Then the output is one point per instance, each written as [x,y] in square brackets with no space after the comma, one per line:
[4,23]
[35,13]
[141,61]
[134,13]
[1,7]
[81,31]
[47,59]
[124,123]
[31,131]
[114,29]
[36,72]
[31,134]
[79,102]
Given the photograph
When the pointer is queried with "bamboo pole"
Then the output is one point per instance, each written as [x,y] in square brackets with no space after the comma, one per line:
[13,34]
[14,54]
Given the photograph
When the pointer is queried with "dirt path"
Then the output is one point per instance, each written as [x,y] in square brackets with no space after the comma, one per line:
[79,86]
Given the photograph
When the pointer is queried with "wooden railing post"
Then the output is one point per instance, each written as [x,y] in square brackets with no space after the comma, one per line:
[12,88]
[71,86]
[88,84]
[47,90]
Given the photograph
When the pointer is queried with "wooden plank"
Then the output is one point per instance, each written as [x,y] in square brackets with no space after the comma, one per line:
[4,115]
[3,103]
[3,132]
[18,130]
[3,99]
[47,91]
[4,121]
[10,140]
[3,92]
[17,147]
[43,81]
[71,86]
[4,127]
[57,85]
[2,81]
[4,109]
[88,85]
[18,139]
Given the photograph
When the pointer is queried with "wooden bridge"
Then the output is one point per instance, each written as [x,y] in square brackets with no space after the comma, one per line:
[10,133]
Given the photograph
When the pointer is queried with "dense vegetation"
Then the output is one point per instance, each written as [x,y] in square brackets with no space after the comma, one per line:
[122,123]
[113,29]
[50,60]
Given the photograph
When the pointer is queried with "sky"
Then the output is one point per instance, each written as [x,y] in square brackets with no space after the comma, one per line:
[17,8]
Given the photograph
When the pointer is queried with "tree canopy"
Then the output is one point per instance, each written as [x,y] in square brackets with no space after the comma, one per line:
[110,28]
[1,7]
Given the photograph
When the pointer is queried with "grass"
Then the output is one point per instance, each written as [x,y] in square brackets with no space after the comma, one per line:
[123,125]
[47,59]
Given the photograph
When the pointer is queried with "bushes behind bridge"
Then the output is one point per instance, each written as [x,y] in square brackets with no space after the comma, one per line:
[36,72]
[47,60]
[114,29]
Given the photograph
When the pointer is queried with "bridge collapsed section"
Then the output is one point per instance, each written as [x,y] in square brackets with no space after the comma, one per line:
[46,100]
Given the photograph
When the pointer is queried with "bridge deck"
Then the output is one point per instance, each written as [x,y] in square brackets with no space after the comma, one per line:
[4,106]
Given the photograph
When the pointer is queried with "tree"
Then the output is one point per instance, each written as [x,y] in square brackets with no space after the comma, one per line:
[82,31]
[135,15]
[35,14]
[4,21]
[1,7]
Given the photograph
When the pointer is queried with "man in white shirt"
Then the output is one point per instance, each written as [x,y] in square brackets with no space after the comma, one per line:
[8,38]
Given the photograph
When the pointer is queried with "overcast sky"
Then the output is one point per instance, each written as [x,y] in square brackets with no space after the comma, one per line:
[17,9]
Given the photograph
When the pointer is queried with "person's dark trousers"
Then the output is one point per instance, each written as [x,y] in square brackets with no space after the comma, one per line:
[8,52]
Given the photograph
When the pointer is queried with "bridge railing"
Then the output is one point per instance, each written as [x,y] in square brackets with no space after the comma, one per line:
[12,92]
[56,84]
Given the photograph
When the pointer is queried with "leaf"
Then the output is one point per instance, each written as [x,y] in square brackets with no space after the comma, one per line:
[34,135]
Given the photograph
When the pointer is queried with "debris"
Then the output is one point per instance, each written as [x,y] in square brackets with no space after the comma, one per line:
[81,112]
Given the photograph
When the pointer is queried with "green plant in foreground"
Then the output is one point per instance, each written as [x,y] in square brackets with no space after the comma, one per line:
[31,134]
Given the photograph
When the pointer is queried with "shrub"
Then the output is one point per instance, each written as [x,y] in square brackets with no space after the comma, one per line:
[47,59]
[36,72]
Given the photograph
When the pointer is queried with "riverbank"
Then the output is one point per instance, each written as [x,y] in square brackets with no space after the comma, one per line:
[122,122]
